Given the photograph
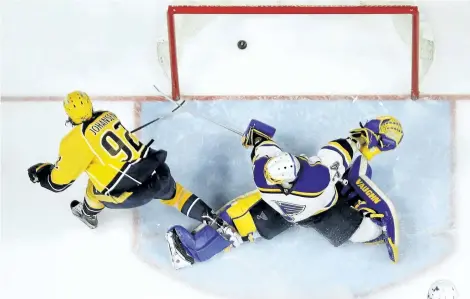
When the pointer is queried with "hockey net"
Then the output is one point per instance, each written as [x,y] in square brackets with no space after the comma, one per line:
[187,20]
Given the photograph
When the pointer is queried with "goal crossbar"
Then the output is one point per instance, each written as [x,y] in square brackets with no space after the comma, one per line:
[293,9]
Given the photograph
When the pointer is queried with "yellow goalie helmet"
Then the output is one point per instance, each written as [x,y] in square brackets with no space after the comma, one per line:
[392,128]
[78,107]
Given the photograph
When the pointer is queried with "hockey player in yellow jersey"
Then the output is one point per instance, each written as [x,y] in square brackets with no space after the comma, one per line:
[123,172]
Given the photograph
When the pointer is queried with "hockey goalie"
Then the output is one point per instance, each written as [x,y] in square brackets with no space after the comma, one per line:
[332,193]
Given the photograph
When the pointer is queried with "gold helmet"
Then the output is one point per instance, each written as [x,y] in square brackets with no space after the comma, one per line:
[78,107]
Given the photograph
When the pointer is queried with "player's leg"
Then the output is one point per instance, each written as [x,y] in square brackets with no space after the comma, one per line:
[174,194]
[163,186]
[249,214]
[160,185]
[338,224]
[88,210]
[204,242]
[253,217]
[94,202]
[375,206]
[371,219]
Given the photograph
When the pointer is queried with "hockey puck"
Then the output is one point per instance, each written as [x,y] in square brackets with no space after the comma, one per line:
[242,44]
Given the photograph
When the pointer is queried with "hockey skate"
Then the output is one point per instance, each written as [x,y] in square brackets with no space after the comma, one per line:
[77,210]
[201,244]
[179,257]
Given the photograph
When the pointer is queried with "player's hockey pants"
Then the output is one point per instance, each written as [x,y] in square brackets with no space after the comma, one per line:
[161,185]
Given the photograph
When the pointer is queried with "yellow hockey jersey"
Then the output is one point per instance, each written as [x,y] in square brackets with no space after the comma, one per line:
[114,159]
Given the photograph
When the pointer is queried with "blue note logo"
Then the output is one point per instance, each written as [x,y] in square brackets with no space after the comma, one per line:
[290,209]
[262,216]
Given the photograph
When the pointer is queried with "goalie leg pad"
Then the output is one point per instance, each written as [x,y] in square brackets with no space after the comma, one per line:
[376,203]
[254,218]
[239,214]
[203,244]
[346,191]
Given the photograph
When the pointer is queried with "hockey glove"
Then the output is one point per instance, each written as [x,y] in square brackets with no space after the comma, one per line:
[257,132]
[39,172]
[378,135]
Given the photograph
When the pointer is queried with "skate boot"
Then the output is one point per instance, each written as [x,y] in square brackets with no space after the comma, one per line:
[215,235]
[77,210]
[179,256]
[388,225]
[187,248]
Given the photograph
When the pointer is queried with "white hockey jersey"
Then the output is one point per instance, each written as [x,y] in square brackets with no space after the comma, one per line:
[314,189]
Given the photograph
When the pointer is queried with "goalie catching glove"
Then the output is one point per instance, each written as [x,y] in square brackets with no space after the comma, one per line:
[384,133]
[257,132]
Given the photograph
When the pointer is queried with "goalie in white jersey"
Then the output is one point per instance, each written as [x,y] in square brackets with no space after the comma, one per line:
[329,192]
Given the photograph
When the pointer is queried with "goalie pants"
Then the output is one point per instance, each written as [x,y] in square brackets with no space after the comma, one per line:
[337,224]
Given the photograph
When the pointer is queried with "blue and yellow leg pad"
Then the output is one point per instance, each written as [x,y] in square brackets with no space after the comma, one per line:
[377,201]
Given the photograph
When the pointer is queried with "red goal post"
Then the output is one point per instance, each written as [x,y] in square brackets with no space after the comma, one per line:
[293,10]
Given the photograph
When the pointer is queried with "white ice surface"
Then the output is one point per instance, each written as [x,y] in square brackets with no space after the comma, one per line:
[209,161]
[46,252]
[108,48]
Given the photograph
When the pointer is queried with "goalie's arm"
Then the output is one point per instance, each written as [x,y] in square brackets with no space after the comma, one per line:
[337,155]
[377,135]
[267,148]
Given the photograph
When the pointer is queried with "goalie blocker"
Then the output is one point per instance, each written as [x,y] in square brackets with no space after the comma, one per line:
[257,132]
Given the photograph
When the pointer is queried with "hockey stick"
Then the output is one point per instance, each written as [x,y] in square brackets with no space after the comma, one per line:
[198,115]
[140,128]
[178,106]
[158,118]
[143,126]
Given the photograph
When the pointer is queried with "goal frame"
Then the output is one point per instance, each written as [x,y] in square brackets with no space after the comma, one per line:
[174,10]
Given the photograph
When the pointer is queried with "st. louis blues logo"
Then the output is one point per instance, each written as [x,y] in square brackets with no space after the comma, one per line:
[290,209]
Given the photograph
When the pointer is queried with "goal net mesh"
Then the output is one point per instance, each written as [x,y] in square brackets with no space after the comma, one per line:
[188,26]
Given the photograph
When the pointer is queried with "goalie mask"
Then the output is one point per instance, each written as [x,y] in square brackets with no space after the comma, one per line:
[282,169]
